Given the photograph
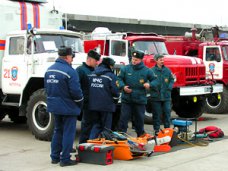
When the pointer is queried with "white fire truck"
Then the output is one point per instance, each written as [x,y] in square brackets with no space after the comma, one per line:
[30,35]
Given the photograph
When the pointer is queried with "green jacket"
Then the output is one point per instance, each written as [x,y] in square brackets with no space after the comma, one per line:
[162,84]
[134,76]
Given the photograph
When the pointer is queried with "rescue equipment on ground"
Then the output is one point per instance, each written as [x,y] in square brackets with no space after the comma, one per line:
[95,153]
[184,134]
[126,147]
[163,139]
[212,132]
[182,127]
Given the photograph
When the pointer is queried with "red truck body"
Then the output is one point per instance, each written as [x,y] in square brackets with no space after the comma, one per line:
[202,47]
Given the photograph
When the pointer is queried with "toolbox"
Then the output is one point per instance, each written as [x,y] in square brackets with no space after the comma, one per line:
[95,153]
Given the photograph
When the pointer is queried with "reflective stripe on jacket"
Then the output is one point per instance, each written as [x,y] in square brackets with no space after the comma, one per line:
[103,90]
[64,94]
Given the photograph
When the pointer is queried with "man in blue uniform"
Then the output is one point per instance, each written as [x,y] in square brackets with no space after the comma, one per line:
[134,81]
[161,88]
[83,71]
[103,95]
[64,99]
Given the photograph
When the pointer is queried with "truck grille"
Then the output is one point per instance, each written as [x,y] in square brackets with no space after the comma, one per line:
[195,74]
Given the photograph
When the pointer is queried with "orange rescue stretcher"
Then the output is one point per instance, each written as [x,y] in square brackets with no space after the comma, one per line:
[132,147]
[128,149]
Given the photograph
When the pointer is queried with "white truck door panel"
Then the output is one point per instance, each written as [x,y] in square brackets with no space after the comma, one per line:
[14,66]
[211,53]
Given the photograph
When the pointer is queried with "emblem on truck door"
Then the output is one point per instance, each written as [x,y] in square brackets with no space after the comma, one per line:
[211,67]
[14,72]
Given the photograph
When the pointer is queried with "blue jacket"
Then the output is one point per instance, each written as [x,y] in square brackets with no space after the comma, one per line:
[83,71]
[64,95]
[162,84]
[134,76]
[103,91]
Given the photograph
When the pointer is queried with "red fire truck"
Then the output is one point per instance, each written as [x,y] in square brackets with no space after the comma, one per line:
[210,45]
[191,86]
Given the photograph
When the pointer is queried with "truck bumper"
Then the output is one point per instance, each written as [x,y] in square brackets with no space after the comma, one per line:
[201,90]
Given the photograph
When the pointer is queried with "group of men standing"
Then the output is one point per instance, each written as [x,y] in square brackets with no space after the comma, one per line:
[96,90]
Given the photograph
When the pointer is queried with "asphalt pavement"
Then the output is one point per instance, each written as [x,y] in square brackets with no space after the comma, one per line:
[20,151]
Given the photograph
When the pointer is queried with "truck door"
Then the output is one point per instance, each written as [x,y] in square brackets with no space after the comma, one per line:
[213,61]
[225,63]
[14,65]
[118,50]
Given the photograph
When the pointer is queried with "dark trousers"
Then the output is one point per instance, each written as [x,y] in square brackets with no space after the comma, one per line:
[160,108]
[138,112]
[103,120]
[86,125]
[63,137]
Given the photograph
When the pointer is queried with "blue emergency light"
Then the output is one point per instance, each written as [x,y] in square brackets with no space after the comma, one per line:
[61,28]
[29,26]
[223,36]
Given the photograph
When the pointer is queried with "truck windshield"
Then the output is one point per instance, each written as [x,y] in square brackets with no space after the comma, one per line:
[51,43]
[151,47]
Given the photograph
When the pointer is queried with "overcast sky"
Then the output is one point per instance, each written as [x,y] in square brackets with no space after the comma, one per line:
[212,12]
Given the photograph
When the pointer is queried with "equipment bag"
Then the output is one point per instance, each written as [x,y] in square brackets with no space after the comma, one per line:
[212,132]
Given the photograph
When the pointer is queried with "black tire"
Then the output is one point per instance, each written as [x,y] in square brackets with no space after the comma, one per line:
[215,105]
[189,109]
[40,122]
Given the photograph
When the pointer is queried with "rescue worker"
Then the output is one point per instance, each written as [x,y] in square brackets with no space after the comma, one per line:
[134,82]
[161,88]
[64,100]
[84,70]
[103,95]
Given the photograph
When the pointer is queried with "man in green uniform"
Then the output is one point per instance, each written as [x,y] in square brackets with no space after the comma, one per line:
[134,81]
[161,88]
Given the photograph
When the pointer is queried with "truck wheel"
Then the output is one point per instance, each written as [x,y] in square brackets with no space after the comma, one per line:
[215,105]
[40,122]
[189,109]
